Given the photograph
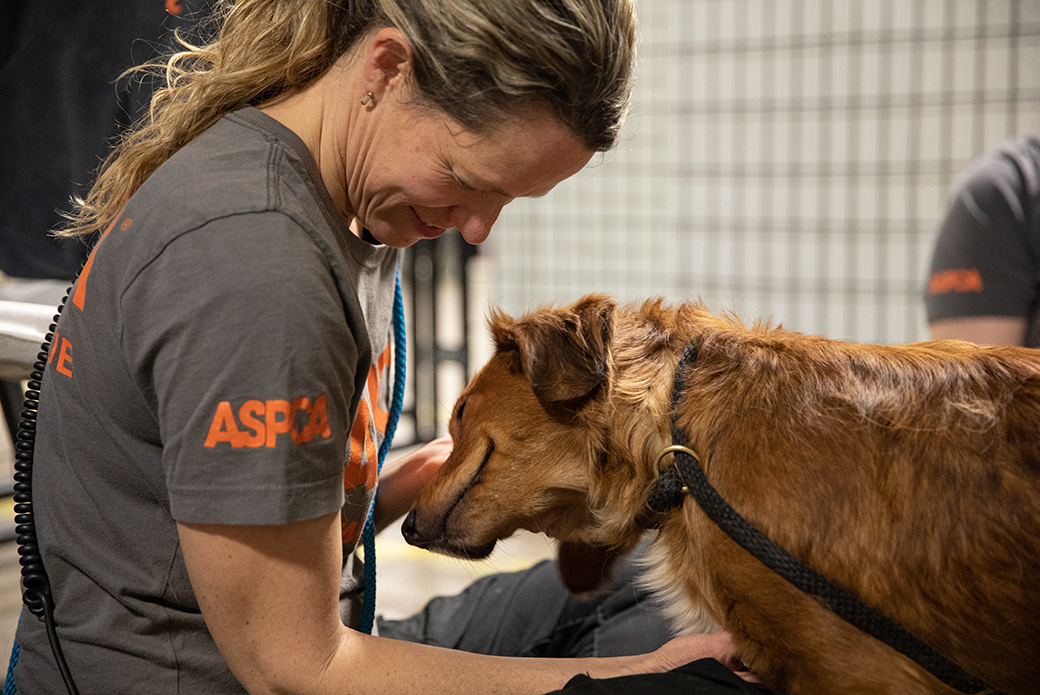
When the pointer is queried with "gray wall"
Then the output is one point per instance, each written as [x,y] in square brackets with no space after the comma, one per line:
[784,160]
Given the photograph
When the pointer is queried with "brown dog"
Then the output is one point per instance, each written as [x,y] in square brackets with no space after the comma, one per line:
[910,475]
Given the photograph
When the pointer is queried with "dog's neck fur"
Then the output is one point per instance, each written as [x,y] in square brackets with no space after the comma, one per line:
[630,427]
[631,423]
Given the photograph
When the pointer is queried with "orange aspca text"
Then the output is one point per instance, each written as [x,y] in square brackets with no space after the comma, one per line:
[81,283]
[63,349]
[262,421]
[956,280]
[363,463]
[362,466]
[351,532]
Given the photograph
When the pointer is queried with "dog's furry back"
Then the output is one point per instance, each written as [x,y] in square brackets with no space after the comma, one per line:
[909,474]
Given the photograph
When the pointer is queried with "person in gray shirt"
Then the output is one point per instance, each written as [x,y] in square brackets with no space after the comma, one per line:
[984,281]
[215,391]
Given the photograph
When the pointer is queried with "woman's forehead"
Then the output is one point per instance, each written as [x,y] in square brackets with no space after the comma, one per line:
[524,156]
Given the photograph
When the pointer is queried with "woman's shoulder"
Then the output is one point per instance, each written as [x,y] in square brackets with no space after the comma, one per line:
[240,171]
[234,167]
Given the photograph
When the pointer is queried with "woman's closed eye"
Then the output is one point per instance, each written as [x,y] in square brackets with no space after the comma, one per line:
[460,183]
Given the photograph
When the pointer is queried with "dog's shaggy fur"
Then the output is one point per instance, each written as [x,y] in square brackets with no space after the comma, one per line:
[908,474]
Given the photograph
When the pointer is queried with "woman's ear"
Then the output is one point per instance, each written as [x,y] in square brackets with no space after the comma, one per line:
[388,62]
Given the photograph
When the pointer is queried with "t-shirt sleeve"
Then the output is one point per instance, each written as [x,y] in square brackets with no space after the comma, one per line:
[241,333]
[984,262]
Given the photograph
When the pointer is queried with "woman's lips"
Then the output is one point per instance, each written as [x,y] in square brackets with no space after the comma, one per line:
[428,230]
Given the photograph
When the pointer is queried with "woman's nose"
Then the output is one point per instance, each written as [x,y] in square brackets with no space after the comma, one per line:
[474,221]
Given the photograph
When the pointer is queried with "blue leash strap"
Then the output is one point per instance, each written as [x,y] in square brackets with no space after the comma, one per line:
[9,688]
[368,534]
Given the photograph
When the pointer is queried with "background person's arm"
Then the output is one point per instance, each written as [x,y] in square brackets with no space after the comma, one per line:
[984,330]
[982,278]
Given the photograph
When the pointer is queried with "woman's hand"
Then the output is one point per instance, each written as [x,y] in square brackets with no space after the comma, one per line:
[403,479]
[683,650]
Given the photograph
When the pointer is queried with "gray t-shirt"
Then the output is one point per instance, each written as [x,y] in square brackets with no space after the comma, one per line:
[986,260]
[222,359]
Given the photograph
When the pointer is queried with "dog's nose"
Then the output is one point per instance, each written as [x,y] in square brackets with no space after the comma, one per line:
[410,532]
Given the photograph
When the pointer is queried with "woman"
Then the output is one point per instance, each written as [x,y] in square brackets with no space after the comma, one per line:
[197,499]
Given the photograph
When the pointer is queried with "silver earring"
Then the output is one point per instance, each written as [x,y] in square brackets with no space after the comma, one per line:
[368,99]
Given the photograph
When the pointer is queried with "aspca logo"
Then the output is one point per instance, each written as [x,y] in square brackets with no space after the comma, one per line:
[956,280]
[258,423]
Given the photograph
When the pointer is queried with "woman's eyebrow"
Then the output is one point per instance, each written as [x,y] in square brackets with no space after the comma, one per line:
[474,181]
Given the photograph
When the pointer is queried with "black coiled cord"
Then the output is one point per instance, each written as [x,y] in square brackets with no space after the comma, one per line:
[36,588]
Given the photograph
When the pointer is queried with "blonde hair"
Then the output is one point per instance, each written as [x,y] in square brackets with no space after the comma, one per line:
[478,61]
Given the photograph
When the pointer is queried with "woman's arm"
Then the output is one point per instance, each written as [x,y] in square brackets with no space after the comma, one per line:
[269,595]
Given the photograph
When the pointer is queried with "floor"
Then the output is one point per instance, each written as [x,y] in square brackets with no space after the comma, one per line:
[407,576]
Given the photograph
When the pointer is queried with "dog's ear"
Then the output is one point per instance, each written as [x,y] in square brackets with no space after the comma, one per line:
[564,353]
[583,567]
[501,326]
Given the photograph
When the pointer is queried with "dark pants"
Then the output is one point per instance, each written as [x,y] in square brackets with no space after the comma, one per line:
[530,613]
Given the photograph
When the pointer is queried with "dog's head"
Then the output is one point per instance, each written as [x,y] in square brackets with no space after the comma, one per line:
[527,432]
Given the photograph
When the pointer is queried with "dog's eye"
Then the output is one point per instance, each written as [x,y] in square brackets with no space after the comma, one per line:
[483,464]
[458,413]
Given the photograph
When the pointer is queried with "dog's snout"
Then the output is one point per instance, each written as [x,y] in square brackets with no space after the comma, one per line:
[410,531]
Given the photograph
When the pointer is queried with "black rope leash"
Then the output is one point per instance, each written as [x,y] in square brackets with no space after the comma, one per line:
[688,476]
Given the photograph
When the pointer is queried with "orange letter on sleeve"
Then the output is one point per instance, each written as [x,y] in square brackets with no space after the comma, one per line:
[81,284]
[223,427]
[256,434]
[274,425]
[65,358]
[298,436]
[319,422]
